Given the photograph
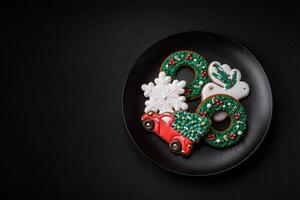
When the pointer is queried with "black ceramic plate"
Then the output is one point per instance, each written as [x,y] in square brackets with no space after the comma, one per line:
[204,159]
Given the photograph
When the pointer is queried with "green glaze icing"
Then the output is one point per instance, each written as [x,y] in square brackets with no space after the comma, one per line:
[191,59]
[238,126]
[190,125]
[223,76]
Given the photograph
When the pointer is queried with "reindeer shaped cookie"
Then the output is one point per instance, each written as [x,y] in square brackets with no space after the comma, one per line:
[224,81]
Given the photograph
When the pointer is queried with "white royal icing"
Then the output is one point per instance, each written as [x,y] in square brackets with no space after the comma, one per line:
[166,119]
[164,95]
[238,91]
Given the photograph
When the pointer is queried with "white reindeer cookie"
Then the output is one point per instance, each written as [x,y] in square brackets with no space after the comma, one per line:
[224,81]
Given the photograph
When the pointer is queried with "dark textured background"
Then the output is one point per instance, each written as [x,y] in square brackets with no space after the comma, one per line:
[63,70]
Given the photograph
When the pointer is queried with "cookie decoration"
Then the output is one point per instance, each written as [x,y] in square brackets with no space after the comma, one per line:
[220,88]
[224,81]
[191,125]
[181,130]
[188,59]
[164,95]
[238,120]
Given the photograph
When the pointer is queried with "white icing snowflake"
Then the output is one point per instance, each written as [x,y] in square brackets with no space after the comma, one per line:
[164,95]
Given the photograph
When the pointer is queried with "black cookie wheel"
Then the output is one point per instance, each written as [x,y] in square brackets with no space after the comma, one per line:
[175,146]
[148,125]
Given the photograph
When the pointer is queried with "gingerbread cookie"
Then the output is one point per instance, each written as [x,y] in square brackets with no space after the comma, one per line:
[180,130]
[188,59]
[164,95]
[224,81]
[238,120]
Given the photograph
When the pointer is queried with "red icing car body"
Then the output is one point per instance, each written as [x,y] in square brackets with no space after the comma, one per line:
[161,124]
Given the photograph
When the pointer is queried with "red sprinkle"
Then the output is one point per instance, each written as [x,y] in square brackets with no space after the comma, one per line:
[211,136]
[187,91]
[219,102]
[237,115]
[203,114]
[172,62]
[189,57]
[232,136]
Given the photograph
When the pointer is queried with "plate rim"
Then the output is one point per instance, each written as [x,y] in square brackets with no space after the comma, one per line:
[211,173]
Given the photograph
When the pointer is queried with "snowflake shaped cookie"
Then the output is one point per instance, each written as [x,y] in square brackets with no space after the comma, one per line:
[164,95]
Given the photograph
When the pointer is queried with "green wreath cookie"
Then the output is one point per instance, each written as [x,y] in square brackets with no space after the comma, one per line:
[238,120]
[188,59]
